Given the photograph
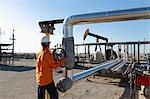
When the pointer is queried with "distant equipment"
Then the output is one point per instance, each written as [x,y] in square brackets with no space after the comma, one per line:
[96,36]
[99,56]
[108,54]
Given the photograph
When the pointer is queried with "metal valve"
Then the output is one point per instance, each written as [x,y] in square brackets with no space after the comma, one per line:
[58,54]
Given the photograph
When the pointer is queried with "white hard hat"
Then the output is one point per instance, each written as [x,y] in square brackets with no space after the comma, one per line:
[45,39]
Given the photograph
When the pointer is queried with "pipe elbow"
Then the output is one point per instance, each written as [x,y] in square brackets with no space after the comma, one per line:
[67,27]
[64,84]
[67,20]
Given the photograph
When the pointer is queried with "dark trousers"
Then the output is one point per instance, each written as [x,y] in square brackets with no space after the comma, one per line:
[51,89]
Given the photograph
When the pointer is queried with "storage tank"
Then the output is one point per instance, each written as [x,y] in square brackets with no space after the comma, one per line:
[98,57]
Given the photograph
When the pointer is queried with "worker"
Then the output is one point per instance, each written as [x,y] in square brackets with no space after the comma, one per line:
[44,67]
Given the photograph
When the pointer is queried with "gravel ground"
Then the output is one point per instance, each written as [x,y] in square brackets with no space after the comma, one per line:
[19,82]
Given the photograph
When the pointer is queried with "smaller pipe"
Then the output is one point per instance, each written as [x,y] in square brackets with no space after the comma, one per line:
[134,53]
[89,51]
[138,53]
[112,52]
[116,66]
[120,66]
[105,51]
[131,54]
[119,51]
[77,50]
[127,69]
[113,64]
[127,53]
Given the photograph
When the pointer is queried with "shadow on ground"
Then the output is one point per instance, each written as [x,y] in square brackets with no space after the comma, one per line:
[15,68]
[124,82]
[126,94]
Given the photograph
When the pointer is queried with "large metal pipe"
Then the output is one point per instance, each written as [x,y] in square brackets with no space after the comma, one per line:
[108,16]
[65,83]
[98,67]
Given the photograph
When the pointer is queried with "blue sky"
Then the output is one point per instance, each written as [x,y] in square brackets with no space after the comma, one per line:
[24,15]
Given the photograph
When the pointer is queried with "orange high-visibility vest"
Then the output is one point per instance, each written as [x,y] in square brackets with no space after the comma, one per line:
[44,65]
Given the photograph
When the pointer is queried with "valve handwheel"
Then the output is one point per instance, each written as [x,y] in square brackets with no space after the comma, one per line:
[58,54]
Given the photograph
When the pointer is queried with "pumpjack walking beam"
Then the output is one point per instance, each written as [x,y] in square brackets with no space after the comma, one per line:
[93,35]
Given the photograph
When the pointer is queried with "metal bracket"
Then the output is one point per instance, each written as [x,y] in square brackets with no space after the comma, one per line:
[48,26]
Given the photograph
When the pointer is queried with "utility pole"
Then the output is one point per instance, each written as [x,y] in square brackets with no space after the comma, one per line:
[13,46]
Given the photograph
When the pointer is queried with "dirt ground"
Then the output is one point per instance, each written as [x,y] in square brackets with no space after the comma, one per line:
[18,82]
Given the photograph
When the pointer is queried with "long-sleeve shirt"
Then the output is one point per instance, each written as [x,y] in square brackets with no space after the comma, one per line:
[44,65]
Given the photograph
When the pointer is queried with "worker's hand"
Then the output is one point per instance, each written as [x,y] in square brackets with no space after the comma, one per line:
[59,70]
[62,62]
